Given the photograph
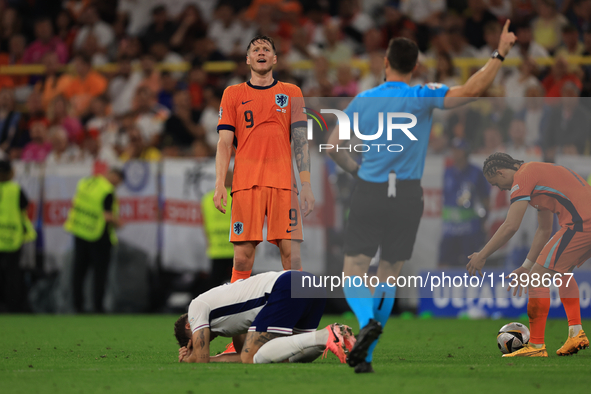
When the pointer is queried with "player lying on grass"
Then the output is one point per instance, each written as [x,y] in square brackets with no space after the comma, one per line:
[551,189]
[260,316]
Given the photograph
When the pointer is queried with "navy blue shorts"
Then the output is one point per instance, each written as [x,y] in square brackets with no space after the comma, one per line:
[283,314]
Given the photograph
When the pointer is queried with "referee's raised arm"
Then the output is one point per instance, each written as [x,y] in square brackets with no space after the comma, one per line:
[478,83]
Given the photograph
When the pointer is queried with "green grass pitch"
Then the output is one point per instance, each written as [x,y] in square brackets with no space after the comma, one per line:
[138,354]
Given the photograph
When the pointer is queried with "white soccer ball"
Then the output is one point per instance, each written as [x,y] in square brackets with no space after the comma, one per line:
[512,337]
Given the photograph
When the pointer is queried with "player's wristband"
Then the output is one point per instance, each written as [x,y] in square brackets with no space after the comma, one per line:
[305,176]
[527,264]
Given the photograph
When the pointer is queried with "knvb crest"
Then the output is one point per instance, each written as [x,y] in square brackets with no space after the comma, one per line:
[281,100]
[238,228]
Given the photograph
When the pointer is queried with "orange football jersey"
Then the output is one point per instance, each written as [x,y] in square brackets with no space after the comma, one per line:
[261,118]
[555,188]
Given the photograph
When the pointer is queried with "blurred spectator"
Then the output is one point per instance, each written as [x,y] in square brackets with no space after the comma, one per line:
[444,70]
[205,50]
[533,113]
[83,85]
[176,8]
[61,151]
[579,15]
[94,150]
[137,149]
[493,141]
[335,51]
[191,27]
[372,42]
[242,72]
[526,46]
[39,147]
[571,46]
[162,54]
[49,85]
[209,116]
[97,55]
[426,15]
[478,17]
[9,120]
[459,47]
[93,25]
[465,204]
[66,30]
[291,19]
[199,149]
[100,124]
[168,87]
[160,29]
[500,8]
[586,92]
[353,23]
[225,30]
[518,146]
[394,22]
[138,13]
[376,75]
[60,113]
[320,84]
[150,74]
[45,42]
[182,127]
[16,50]
[566,128]
[34,112]
[548,25]
[123,86]
[558,76]
[151,116]
[300,50]
[10,26]
[346,85]
[517,84]
[197,78]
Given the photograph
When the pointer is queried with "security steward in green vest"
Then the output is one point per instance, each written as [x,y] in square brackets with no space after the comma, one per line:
[217,231]
[92,220]
[15,229]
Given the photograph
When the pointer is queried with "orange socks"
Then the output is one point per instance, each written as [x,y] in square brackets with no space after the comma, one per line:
[239,275]
[570,300]
[538,307]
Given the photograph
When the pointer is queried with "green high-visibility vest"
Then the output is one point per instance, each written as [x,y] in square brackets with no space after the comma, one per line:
[15,226]
[86,218]
[217,227]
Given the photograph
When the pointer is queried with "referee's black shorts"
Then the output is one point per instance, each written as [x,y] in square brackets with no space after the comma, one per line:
[378,220]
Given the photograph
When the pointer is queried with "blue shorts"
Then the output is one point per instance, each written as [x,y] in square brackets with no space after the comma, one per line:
[283,314]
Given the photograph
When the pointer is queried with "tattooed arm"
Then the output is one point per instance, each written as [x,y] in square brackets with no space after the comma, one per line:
[253,342]
[302,156]
[198,347]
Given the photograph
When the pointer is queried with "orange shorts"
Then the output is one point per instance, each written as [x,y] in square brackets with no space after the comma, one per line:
[281,207]
[566,250]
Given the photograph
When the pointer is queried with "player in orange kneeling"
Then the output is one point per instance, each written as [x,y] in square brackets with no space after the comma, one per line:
[550,189]
[260,118]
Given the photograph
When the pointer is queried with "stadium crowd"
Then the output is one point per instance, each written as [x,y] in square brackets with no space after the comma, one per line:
[91,110]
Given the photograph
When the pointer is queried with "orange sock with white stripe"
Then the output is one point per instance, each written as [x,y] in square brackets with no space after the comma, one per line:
[569,295]
[538,307]
[236,275]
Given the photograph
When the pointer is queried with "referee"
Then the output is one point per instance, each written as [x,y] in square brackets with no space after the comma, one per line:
[387,203]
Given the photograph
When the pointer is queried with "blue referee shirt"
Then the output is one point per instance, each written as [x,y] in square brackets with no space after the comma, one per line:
[395,97]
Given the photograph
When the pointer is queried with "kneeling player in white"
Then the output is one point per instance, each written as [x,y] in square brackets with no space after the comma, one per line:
[260,316]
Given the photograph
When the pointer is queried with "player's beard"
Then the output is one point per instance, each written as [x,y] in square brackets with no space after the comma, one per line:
[262,72]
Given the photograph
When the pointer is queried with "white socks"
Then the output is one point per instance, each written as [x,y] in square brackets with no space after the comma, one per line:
[573,331]
[299,348]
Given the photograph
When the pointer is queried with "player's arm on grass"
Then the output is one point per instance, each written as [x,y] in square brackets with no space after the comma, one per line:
[302,156]
[478,83]
[222,161]
[500,238]
[541,237]
[197,350]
